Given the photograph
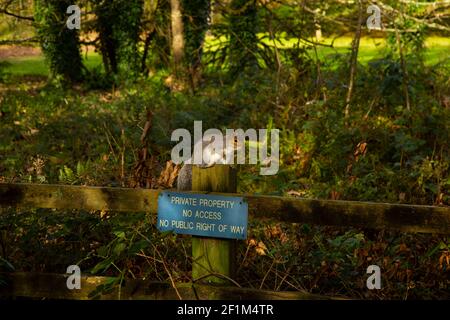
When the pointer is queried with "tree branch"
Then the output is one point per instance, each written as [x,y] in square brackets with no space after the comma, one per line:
[5,11]
[21,41]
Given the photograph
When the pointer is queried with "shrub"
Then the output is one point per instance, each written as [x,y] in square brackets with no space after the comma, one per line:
[60,45]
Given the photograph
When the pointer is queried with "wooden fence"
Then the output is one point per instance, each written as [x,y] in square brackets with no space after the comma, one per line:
[213,259]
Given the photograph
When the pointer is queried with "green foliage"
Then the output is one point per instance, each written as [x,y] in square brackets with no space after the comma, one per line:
[3,64]
[98,79]
[68,176]
[159,57]
[195,20]
[5,265]
[118,25]
[240,27]
[242,32]
[60,45]
[334,261]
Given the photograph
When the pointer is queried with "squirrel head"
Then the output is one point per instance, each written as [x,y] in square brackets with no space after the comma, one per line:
[215,148]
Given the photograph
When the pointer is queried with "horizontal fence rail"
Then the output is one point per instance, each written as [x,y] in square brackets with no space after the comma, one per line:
[407,218]
[53,286]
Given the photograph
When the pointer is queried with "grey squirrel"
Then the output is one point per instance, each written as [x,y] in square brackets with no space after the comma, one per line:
[224,153]
[184,180]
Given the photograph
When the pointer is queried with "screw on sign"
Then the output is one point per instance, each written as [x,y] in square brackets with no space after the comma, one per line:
[203,215]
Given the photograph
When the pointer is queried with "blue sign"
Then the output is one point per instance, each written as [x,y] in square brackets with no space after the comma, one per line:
[203,215]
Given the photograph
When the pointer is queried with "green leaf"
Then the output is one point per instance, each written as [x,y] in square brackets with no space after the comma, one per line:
[119,234]
[102,266]
[80,169]
[138,246]
[6,264]
[434,250]
[102,251]
[97,292]
[442,246]
[119,248]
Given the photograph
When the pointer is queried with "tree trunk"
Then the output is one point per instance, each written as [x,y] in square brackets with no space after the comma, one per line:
[61,46]
[354,62]
[195,19]
[177,36]
[243,20]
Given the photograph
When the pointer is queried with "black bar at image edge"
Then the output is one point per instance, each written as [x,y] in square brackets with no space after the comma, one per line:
[357,309]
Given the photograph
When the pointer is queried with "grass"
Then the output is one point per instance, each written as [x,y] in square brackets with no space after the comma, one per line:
[438,48]
[36,65]
[21,66]
[370,48]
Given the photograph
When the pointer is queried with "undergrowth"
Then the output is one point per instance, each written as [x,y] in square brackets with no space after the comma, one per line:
[382,152]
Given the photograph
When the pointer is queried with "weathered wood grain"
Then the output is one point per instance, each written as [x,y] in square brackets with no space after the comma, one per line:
[53,286]
[407,218]
[213,255]
[78,197]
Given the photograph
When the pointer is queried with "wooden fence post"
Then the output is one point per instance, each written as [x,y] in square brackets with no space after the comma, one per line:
[213,256]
